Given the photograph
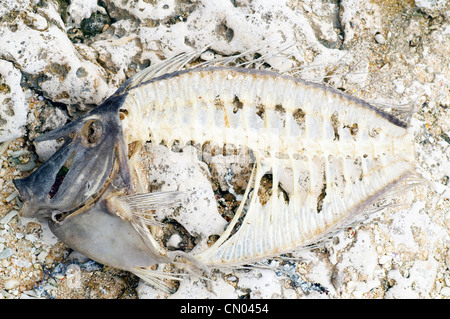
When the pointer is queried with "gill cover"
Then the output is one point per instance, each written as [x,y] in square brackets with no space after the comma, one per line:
[106,238]
[93,148]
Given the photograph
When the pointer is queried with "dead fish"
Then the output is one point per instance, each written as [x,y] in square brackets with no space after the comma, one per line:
[330,156]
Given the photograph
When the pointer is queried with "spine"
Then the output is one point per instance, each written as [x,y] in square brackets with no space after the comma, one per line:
[329,153]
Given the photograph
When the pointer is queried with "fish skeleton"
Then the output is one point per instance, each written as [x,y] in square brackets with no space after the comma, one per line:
[330,157]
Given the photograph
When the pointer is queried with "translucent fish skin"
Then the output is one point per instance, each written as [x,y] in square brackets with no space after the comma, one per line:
[332,154]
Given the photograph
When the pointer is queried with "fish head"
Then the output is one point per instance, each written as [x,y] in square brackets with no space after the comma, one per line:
[73,188]
[93,150]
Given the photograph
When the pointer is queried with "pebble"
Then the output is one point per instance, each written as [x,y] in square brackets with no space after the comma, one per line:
[380,38]
[12,196]
[29,166]
[7,252]
[73,276]
[207,56]
[11,284]
[7,218]
[31,237]
[41,257]
[174,241]
[19,153]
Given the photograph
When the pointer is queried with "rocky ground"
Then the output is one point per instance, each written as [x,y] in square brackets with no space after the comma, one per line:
[59,59]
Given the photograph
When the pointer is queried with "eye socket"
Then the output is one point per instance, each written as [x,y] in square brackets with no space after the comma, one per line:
[123,113]
[91,132]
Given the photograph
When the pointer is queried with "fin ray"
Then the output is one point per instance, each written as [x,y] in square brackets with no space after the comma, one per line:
[141,207]
[151,201]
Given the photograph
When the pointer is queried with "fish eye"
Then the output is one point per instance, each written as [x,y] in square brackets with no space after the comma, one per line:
[91,132]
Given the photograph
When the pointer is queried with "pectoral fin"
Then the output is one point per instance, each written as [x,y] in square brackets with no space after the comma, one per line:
[142,206]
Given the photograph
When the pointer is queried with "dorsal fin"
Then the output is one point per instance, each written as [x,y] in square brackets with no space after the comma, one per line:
[170,65]
[179,61]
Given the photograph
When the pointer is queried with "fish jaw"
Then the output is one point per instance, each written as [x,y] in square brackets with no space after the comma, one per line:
[77,172]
